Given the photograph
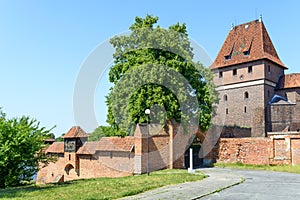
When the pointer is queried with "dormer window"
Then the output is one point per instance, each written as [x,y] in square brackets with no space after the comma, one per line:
[246,53]
[228,57]
[229,53]
[247,48]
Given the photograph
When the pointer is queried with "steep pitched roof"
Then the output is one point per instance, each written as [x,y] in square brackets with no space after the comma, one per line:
[76,132]
[108,144]
[56,147]
[289,81]
[244,43]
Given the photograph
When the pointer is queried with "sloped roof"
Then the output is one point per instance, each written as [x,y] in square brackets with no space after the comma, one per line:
[289,81]
[154,129]
[108,144]
[49,140]
[56,147]
[244,43]
[76,132]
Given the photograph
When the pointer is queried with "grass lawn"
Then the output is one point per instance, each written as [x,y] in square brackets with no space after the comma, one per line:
[101,188]
[277,168]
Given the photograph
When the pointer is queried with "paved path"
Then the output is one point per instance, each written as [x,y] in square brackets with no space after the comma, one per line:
[218,179]
[254,185]
[262,185]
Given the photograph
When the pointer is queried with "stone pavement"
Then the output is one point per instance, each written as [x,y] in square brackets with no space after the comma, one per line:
[218,179]
[264,185]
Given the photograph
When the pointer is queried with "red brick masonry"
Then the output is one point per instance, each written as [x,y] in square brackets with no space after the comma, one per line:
[277,148]
[114,156]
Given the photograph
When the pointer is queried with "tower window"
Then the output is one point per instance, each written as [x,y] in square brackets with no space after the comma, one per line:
[225,98]
[234,72]
[246,95]
[220,74]
[245,109]
[226,111]
[69,156]
[250,69]
[269,69]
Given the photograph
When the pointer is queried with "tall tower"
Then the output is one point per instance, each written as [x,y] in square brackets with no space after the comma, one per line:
[246,71]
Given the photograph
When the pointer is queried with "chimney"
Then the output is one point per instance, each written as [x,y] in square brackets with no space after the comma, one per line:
[260,18]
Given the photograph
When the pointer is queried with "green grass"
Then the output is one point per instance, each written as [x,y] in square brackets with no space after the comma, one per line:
[101,188]
[277,168]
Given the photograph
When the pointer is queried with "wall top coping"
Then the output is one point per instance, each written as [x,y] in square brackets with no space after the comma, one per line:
[284,133]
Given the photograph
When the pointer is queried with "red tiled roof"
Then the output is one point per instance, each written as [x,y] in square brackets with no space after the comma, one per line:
[108,144]
[56,147]
[76,132]
[289,81]
[251,37]
[49,140]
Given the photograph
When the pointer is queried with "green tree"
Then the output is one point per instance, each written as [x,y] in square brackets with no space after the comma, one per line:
[21,145]
[103,131]
[146,54]
[60,139]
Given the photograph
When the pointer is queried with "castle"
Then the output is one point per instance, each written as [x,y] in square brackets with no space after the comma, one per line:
[258,112]
[252,85]
[259,105]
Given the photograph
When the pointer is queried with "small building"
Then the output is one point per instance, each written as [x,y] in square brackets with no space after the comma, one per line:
[148,150]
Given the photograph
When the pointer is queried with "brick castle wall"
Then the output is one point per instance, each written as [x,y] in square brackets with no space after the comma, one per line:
[278,148]
[243,150]
[165,150]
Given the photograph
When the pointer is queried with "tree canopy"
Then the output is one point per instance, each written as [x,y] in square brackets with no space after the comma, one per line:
[102,131]
[21,144]
[154,68]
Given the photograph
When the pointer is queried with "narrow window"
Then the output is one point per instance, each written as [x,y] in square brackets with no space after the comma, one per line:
[250,69]
[226,111]
[245,109]
[269,69]
[234,72]
[69,156]
[246,95]
[225,98]
[220,74]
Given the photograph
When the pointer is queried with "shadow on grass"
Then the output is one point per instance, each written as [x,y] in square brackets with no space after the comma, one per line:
[15,192]
[100,188]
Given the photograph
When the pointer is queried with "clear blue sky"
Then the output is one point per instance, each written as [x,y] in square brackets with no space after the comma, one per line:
[44,43]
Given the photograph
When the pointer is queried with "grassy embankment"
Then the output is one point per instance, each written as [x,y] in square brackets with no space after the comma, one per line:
[277,168]
[101,188]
